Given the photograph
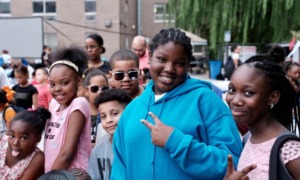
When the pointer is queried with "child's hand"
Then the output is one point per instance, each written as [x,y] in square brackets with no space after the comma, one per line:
[159,131]
[231,174]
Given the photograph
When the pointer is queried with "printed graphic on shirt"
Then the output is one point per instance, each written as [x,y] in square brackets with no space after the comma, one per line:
[104,165]
[52,129]
[22,96]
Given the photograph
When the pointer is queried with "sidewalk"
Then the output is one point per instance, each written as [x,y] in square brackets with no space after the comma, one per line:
[204,76]
[223,85]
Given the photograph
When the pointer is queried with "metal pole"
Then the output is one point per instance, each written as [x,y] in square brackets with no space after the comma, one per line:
[139,17]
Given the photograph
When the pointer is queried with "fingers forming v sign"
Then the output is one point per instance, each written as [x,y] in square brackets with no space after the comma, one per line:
[159,131]
[231,174]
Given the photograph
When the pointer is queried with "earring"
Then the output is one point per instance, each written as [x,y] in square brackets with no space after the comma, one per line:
[271,106]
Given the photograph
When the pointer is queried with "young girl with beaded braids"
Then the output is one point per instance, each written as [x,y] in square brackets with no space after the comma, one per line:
[260,95]
[186,131]
[68,132]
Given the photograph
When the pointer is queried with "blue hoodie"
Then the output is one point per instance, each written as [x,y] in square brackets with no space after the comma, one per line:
[205,133]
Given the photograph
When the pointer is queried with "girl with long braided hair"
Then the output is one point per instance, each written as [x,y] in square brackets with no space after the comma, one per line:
[261,96]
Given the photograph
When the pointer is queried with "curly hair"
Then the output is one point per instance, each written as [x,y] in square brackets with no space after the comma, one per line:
[73,54]
[113,95]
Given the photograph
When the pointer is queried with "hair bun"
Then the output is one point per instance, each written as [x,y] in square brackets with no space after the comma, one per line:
[43,113]
[103,50]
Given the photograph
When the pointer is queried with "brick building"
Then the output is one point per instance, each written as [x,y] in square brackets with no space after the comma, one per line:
[68,22]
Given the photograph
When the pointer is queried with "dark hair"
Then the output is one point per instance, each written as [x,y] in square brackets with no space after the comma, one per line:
[5,51]
[21,69]
[172,35]
[287,65]
[45,46]
[73,54]
[36,118]
[92,73]
[79,173]
[123,55]
[99,41]
[3,99]
[147,76]
[113,95]
[287,108]
[233,47]
[58,174]
[277,52]
[43,69]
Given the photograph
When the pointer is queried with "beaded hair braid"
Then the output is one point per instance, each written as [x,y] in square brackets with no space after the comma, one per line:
[287,108]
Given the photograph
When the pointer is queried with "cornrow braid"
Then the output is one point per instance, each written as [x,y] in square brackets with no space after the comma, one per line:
[172,35]
[287,109]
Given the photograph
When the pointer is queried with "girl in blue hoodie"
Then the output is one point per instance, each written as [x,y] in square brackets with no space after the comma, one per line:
[178,128]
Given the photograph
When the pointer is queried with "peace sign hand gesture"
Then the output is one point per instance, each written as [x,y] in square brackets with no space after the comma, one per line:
[159,131]
[231,174]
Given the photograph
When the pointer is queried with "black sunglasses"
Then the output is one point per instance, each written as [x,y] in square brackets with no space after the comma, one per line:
[95,89]
[133,75]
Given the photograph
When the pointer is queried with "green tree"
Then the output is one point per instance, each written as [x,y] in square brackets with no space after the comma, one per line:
[250,21]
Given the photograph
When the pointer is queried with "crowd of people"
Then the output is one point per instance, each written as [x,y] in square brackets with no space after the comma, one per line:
[139,115]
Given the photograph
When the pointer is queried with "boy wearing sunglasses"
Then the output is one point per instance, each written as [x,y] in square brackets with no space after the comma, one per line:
[125,72]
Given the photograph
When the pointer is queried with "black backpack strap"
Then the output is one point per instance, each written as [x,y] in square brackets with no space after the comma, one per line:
[277,169]
[246,138]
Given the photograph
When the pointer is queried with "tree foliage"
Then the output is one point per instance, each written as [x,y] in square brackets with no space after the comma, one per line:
[250,21]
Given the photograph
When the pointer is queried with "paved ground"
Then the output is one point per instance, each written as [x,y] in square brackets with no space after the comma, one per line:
[199,76]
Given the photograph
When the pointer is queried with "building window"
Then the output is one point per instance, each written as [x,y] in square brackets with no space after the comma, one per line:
[161,15]
[44,7]
[4,7]
[90,10]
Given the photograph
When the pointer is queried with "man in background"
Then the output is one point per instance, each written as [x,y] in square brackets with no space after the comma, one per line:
[139,47]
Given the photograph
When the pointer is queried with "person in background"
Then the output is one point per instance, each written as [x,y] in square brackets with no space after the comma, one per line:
[20,158]
[26,95]
[260,95]
[43,87]
[178,128]
[233,61]
[3,78]
[61,174]
[94,47]
[7,59]
[94,83]
[139,47]
[111,104]
[125,72]
[278,54]
[292,70]
[6,97]
[45,57]
[68,132]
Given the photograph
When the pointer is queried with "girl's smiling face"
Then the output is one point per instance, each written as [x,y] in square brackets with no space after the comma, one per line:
[248,95]
[64,83]
[22,139]
[168,67]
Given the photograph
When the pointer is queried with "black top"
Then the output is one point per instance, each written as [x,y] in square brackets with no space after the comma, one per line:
[23,95]
[105,67]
